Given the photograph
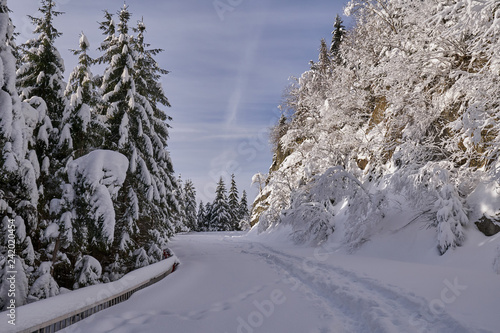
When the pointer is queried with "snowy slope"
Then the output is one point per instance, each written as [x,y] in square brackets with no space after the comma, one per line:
[236,282]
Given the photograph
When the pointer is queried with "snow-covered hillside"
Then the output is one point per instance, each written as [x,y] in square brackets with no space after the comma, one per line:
[237,282]
[399,115]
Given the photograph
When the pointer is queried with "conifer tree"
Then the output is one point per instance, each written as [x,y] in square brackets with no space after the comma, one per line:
[42,71]
[200,217]
[220,219]
[18,191]
[179,218]
[81,118]
[83,131]
[147,204]
[207,220]
[108,29]
[41,83]
[190,205]
[243,213]
[149,89]
[234,205]
[337,38]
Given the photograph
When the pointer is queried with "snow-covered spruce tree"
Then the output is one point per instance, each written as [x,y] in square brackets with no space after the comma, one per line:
[234,204]
[337,38]
[220,215]
[81,120]
[200,217]
[108,29]
[243,213]
[18,172]
[179,218]
[41,83]
[147,76]
[207,219]
[83,130]
[146,203]
[190,206]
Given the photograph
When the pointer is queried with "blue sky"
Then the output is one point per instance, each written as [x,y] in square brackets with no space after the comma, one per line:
[229,62]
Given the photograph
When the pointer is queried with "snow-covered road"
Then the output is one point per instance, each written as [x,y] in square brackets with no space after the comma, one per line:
[228,283]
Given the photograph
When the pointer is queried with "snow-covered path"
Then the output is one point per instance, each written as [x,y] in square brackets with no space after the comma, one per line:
[228,283]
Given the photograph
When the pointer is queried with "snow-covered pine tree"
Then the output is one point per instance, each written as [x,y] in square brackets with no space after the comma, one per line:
[147,202]
[243,206]
[147,77]
[234,204]
[179,218]
[200,217]
[18,190]
[337,38]
[42,72]
[41,83]
[190,205]
[220,219]
[207,220]
[108,29]
[118,88]
[81,119]
[83,130]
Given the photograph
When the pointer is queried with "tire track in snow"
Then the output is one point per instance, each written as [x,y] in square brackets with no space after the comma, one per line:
[366,304]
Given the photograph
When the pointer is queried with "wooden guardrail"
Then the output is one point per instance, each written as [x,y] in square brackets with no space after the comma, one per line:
[68,319]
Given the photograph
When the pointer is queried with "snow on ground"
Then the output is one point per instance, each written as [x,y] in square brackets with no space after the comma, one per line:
[42,311]
[244,283]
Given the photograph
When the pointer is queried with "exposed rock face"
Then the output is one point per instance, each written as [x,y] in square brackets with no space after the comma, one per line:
[488,226]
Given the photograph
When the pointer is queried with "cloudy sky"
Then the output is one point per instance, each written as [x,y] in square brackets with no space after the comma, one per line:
[229,62]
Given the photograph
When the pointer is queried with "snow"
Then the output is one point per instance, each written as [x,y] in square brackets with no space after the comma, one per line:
[248,282]
[89,271]
[124,128]
[65,137]
[38,312]
[103,173]
[5,112]
[52,231]
[100,167]
[85,115]
[84,42]
[485,200]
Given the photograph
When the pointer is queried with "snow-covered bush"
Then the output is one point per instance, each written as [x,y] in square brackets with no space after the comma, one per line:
[435,190]
[87,272]
[244,225]
[141,258]
[44,286]
[21,281]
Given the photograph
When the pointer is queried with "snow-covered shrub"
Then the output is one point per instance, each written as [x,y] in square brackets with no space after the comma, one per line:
[141,258]
[44,286]
[363,207]
[244,225]
[21,281]
[314,208]
[435,190]
[87,272]
[155,251]
[311,222]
